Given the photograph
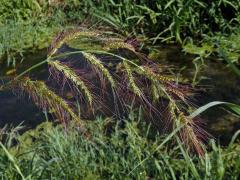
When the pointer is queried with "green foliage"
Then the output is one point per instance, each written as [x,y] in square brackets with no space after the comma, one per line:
[223,46]
[17,38]
[169,20]
[233,107]
[19,10]
[27,25]
[159,20]
[126,152]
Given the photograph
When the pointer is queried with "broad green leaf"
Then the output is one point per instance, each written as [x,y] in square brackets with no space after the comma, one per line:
[234,107]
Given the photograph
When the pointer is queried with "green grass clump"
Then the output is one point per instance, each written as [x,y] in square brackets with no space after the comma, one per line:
[28,26]
[167,20]
[16,38]
[124,151]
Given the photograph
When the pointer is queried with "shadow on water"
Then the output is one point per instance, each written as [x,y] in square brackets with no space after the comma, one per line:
[220,84]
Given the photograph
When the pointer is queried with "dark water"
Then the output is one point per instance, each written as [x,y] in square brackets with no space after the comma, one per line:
[218,84]
[14,109]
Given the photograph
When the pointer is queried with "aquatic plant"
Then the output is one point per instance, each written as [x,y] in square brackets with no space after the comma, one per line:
[225,47]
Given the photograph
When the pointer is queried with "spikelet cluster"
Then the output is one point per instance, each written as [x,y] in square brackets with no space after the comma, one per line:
[154,76]
[176,92]
[118,45]
[46,99]
[162,84]
[71,75]
[191,134]
[133,86]
[96,63]
[65,36]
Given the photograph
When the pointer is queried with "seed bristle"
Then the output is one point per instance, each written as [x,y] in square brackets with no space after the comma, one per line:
[95,62]
[45,98]
[73,77]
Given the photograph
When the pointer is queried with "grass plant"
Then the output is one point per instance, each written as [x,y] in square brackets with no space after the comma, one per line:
[132,78]
[109,75]
[126,153]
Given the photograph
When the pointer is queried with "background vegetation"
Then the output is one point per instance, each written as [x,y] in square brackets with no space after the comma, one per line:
[126,153]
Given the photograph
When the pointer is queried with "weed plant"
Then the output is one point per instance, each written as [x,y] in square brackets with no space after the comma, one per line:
[105,74]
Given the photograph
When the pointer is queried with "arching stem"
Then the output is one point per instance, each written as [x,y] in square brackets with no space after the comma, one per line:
[24,72]
[31,68]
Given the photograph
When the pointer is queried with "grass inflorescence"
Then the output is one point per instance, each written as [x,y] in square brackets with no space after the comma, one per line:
[71,76]
[46,99]
[132,80]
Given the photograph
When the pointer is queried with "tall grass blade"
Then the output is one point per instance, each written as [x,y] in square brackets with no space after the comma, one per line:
[11,158]
[235,108]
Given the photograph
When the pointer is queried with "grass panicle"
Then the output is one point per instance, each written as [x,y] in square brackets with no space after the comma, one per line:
[71,75]
[118,45]
[191,133]
[96,63]
[133,86]
[46,99]
[65,36]
[156,76]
